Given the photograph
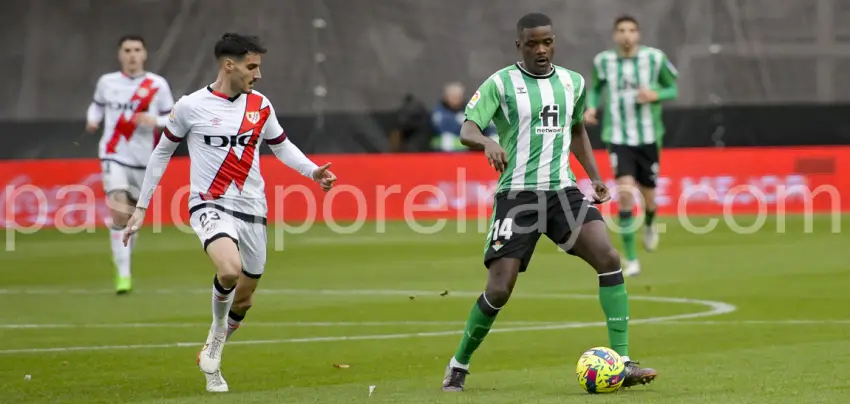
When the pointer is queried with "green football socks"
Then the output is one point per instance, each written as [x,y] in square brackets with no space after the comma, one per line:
[628,234]
[650,217]
[480,320]
[615,305]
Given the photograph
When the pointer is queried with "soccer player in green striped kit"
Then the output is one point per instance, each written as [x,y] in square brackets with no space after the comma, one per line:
[637,79]
[537,108]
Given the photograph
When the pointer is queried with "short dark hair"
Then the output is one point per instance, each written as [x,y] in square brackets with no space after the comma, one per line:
[532,20]
[625,18]
[235,45]
[131,37]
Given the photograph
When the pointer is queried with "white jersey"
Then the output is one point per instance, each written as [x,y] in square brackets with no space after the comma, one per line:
[223,137]
[117,98]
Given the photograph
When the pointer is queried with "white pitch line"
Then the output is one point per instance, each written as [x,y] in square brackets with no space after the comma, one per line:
[348,292]
[302,340]
[715,309]
[406,323]
[412,323]
[265,324]
[759,322]
[333,292]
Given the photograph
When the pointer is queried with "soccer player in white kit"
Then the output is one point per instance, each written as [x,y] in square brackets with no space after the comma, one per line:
[223,124]
[132,103]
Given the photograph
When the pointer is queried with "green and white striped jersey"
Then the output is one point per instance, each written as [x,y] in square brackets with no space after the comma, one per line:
[626,122]
[533,116]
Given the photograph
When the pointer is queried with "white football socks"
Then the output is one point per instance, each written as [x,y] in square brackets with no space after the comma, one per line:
[455,364]
[232,326]
[222,299]
[120,253]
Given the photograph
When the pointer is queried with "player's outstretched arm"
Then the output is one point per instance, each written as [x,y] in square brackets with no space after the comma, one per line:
[95,112]
[157,164]
[288,153]
[480,111]
[594,96]
[93,116]
[668,88]
[580,146]
[472,137]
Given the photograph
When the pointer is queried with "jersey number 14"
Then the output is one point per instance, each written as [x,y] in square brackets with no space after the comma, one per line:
[503,228]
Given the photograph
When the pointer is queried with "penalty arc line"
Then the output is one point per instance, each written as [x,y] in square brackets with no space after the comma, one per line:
[715,309]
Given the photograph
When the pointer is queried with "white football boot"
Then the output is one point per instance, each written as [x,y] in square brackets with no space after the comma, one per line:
[216,382]
[209,359]
[650,237]
[631,268]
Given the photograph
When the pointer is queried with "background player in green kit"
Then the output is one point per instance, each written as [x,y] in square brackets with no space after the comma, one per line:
[637,79]
[537,109]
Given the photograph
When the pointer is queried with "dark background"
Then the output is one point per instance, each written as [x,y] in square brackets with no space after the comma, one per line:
[753,72]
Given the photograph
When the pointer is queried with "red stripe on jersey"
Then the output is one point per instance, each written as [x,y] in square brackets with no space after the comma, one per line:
[124,127]
[235,169]
[277,140]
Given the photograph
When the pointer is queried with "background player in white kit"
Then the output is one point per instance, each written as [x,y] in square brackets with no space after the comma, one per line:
[132,103]
[224,124]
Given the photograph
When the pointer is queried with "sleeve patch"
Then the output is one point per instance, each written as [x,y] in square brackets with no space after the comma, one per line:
[474,100]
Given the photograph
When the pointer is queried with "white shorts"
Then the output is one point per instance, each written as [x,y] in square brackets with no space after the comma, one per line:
[120,177]
[212,222]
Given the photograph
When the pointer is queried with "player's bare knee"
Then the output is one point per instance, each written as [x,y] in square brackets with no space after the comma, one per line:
[625,192]
[227,279]
[626,199]
[228,271]
[119,219]
[498,294]
[500,283]
[224,254]
[648,195]
[120,207]
[609,261]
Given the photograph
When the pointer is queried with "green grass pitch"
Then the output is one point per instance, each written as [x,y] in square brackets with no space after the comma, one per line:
[724,317]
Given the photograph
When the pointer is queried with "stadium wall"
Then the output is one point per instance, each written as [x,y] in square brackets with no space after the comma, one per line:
[67,193]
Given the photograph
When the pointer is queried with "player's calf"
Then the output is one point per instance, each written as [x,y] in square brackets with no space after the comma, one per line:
[626,187]
[242,302]
[650,235]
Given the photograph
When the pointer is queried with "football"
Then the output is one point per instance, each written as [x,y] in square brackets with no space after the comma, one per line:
[600,370]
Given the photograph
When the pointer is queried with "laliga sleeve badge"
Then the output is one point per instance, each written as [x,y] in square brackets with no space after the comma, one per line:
[474,99]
